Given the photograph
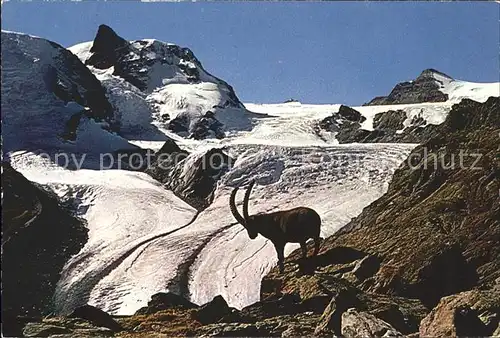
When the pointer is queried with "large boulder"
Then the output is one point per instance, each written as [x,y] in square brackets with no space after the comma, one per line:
[96,316]
[162,301]
[212,311]
[65,327]
[345,118]
[350,114]
[331,318]
[470,313]
[361,324]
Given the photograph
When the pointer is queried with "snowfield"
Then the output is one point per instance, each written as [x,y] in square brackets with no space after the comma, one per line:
[142,238]
[127,212]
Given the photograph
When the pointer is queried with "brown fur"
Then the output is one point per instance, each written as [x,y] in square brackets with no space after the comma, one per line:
[295,225]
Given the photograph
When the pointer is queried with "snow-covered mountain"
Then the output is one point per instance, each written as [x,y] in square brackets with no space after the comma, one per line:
[433,86]
[50,100]
[150,80]
[143,238]
[318,124]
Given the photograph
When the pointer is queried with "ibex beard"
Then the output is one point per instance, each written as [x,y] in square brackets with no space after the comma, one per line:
[295,225]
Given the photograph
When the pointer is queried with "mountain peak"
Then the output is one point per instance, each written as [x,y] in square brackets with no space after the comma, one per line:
[106,34]
[104,47]
[436,74]
[425,88]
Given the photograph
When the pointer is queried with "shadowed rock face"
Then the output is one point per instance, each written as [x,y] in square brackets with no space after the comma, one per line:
[70,80]
[38,237]
[203,127]
[391,120]
[44,76]
[360,324]
[194,181]
[107,48]
[425,88]
[162,301]
[471,313]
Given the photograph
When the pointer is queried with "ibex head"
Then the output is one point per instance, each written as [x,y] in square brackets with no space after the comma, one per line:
[247,221]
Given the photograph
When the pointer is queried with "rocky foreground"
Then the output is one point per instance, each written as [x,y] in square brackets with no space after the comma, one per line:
[39,235]
[423,260]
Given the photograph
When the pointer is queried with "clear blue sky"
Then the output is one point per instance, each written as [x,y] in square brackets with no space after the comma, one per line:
[344,52]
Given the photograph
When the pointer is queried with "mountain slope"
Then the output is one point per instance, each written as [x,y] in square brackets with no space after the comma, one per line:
[395,123]
[435,231]
[430,86]
[403,119]
[50,99]
[38,237]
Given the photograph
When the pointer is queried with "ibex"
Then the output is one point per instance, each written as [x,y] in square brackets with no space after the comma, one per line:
[288,226]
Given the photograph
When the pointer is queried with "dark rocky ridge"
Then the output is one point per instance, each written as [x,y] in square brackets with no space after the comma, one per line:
[425,88]
[347,124]
[391,120]
[38,237]
[203,127]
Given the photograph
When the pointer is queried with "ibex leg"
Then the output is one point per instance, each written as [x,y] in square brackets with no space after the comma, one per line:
[280,248]
[303,246]
[316,246]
